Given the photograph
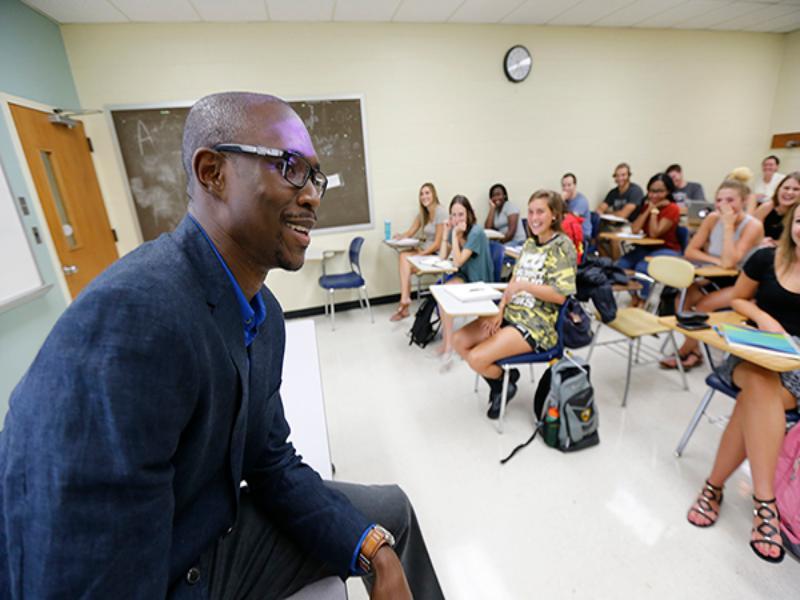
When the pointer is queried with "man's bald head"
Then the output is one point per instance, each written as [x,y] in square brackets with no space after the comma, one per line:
[220,118]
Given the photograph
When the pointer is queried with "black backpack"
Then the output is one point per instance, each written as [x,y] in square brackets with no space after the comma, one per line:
[426,323]
[565,386]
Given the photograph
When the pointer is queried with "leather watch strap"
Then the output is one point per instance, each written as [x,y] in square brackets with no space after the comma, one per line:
[376,538]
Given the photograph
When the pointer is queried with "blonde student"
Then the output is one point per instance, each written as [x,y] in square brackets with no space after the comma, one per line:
[428,226]
[542,279]
[767,293]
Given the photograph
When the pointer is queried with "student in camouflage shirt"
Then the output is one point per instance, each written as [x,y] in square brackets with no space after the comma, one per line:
[543,278]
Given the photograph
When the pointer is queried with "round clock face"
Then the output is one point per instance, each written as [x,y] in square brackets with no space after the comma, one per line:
[517,63]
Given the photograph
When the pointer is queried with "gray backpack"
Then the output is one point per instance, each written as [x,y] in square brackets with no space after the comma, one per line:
[565,386]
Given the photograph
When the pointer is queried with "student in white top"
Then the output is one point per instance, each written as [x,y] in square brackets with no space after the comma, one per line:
[428,226]
[504,216]
[769,180]
[725,238]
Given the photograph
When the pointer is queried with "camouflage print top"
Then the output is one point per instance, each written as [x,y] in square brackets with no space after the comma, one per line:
[554,264]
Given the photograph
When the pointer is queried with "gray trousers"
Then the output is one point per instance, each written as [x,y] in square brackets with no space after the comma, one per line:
[256,560]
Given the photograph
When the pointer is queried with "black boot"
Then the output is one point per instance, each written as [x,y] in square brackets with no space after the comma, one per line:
[496,393]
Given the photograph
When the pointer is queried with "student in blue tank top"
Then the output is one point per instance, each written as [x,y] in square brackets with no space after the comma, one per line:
[466,244]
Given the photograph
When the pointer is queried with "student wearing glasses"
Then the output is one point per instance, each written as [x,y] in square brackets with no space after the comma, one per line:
[428,226]
[466,244]
[725,238]
[767,293]
[543,277]
[157,395]
[658,219]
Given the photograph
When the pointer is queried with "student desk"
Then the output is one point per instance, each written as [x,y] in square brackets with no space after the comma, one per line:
[493,234]
[429,265]
[456,308]
[403,245]
[712,338]
[712,271]
[636,241]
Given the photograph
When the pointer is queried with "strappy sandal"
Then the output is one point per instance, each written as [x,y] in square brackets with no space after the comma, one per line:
[401,312]
[766,530]
[702,506]
[688,366]
[670,363]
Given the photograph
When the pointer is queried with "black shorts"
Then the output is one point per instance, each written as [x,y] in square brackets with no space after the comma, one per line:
[526,335]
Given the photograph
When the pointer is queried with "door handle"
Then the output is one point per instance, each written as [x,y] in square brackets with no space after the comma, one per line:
[70,269]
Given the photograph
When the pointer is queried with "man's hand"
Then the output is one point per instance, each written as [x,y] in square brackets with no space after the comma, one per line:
[390,579]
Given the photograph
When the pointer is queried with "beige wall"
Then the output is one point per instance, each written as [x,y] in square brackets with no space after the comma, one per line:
[786,114]
[439,108]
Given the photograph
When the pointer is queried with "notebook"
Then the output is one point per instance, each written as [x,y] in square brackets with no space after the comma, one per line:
[404,242]
[779,344]
[473,292]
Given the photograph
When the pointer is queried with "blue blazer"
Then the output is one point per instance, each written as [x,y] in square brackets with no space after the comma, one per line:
[127,439]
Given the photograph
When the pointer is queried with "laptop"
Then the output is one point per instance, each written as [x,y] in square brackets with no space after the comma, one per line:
[697,210]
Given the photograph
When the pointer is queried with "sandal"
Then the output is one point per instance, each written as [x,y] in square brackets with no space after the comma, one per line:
[401,312]
[702,506]
[688,363]
[670,362]
[766,530]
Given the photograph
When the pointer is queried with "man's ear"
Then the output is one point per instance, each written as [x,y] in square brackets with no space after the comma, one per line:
[207,166]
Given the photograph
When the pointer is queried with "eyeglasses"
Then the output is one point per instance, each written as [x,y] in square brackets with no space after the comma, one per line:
[293,168]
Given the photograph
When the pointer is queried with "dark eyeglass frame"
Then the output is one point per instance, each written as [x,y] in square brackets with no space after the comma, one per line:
[318,179]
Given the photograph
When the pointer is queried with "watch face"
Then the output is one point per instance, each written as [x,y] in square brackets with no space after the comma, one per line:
[517,63]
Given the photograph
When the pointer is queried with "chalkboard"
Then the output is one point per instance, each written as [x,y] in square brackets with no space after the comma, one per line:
[149,141]
[20,280]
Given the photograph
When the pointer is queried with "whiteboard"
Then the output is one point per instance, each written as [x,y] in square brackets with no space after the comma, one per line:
[20,280]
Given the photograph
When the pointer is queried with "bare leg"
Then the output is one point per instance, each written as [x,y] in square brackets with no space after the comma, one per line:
[405,269]
[447,323]
[506,342]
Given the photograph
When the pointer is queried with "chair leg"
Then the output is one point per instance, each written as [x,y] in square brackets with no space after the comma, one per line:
[503,397]
[678,361]
[333,310]
[638,349]
[698,414]
[366,301]
[628,374]
[475,388]
[594,340]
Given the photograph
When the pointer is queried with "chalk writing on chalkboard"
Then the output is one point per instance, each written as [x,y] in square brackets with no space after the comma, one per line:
[150,145]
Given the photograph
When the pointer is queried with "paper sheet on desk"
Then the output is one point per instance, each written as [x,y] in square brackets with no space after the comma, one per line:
[630,236]
[435,261]
[473,292]
[404,242]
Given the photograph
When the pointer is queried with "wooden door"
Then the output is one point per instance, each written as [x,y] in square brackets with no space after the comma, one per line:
[61,165]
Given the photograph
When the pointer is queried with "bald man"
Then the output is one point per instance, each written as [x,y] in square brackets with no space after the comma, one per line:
[157,394]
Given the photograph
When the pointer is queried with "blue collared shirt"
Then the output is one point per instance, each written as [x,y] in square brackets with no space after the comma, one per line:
[253,311]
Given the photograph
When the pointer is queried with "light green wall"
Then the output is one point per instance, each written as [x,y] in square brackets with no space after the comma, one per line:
[38,71]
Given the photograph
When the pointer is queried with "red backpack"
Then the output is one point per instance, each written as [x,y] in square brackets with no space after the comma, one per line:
[787,490]
[573,227]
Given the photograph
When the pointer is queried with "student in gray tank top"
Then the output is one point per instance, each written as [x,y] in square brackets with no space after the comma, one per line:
[725,238]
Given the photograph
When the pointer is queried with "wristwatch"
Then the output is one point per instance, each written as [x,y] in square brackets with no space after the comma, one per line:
[376,538]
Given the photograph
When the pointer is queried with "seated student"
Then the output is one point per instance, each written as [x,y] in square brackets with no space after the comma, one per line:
[542,279]
[766,184]
[771,213]
[658,218]
[428,226]
[576,203]
[625,199]
[684,190]
[725,238]
[504,216]
[755,431]
[466,244]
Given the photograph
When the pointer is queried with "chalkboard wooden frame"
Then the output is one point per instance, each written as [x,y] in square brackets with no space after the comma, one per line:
[364,205]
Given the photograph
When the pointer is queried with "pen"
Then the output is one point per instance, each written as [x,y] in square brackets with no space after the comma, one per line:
[718,331]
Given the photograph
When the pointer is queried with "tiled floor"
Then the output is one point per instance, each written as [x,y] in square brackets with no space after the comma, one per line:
[608,522]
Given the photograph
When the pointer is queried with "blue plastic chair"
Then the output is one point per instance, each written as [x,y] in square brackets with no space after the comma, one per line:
[682,234]
[347,281]
[716,384]
[528,358]
[497,252]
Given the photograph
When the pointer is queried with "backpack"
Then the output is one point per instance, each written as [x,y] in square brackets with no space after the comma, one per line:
[573,227]
[566,387]
[426,323]
[787,490]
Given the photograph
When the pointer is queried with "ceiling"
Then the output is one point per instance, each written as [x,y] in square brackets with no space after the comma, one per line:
[729,15]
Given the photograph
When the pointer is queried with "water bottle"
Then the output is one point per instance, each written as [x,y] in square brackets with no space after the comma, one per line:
[387,230]
[551,424]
